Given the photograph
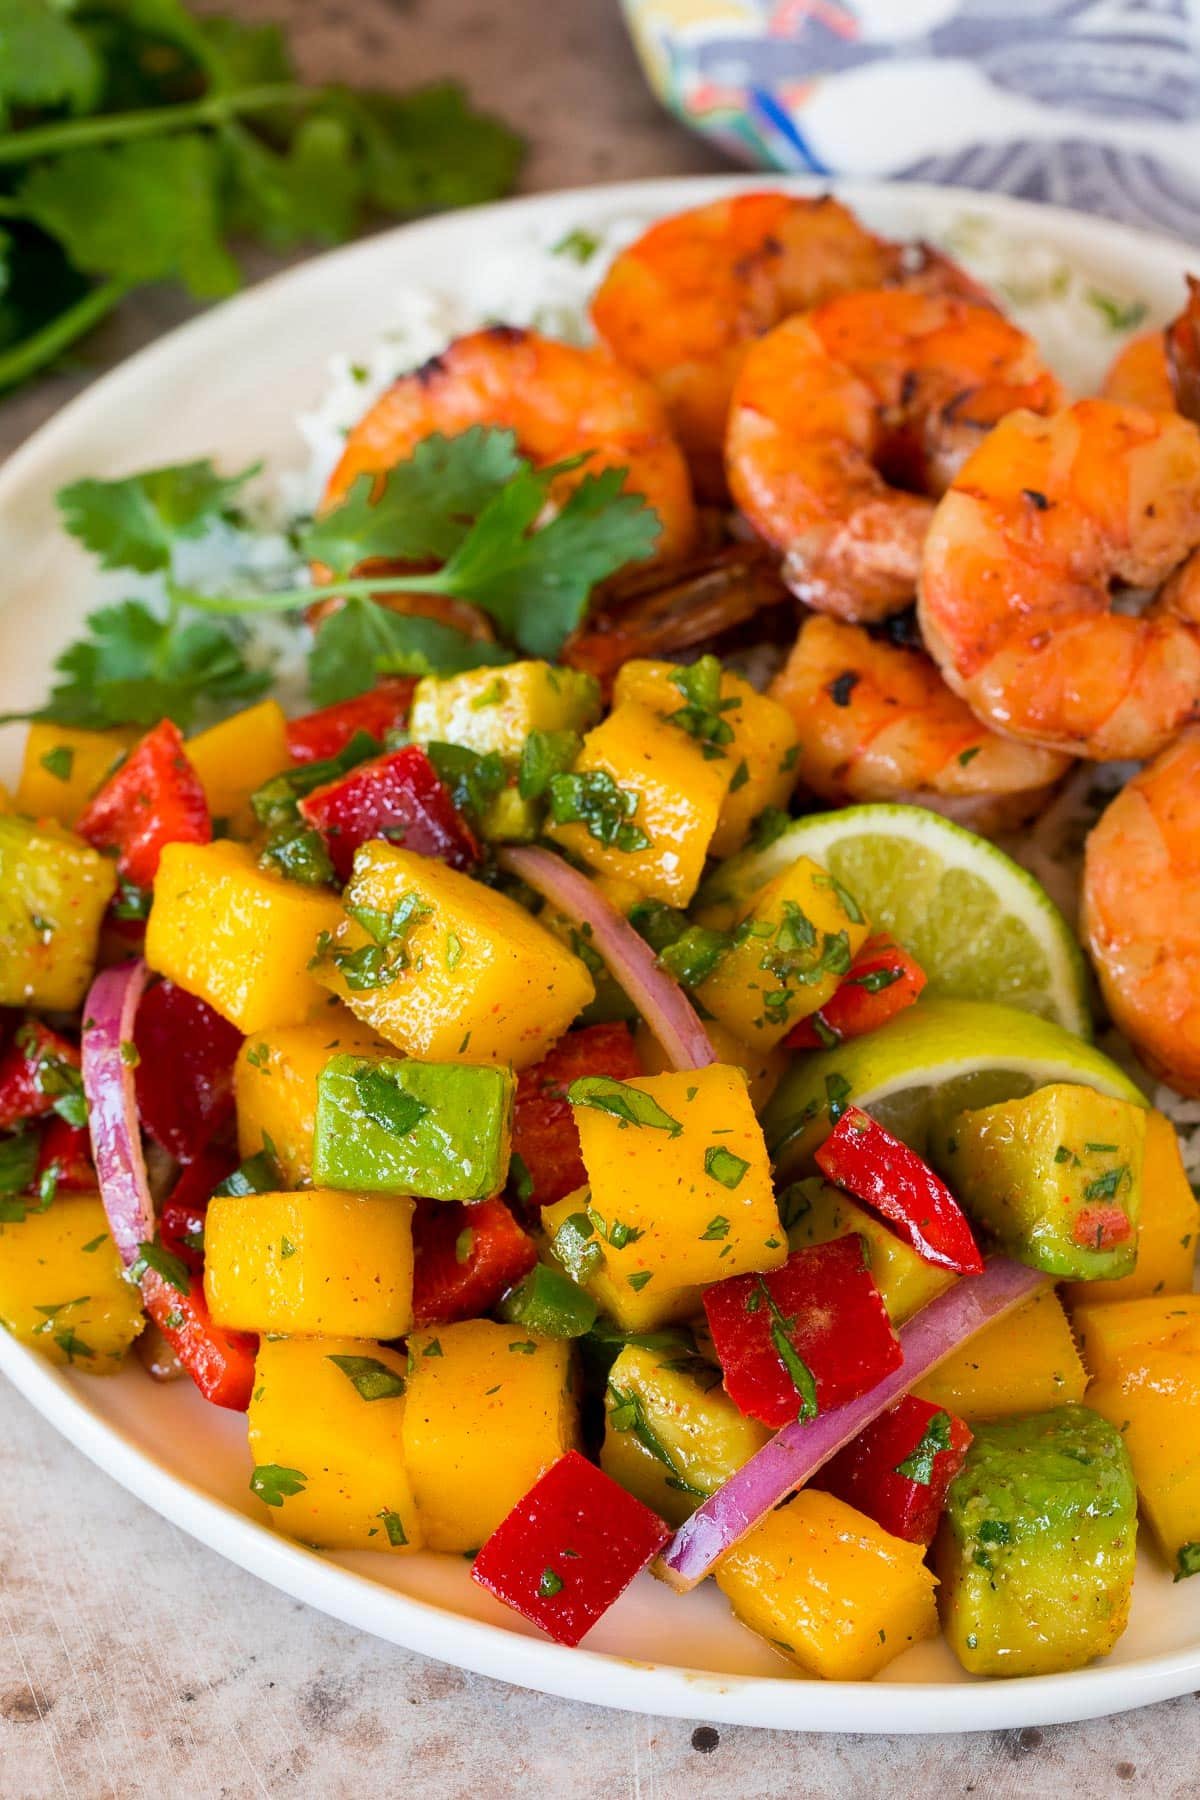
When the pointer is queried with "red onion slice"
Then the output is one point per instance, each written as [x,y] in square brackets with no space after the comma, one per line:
[798,1451]
[108,1063]
[658,997]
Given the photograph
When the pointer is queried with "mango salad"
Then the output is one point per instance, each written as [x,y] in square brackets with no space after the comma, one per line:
[490,1089]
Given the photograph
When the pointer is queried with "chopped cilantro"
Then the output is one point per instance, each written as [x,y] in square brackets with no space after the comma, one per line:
[371,1379]
[918,1466]
[385,1102]
[274,1483]
[592,798]
[724,1166]
[630,1105]
[164,1264]
[59,762]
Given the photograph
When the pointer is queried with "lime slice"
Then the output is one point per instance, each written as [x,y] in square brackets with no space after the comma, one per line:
[979,925]
[928,1064]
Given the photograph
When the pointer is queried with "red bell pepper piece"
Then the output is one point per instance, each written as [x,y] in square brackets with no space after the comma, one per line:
[898,1469]
[545,1137]
[66,1151]
[1101,1227]
[881,981]
[184,1074]
[322,734]
[155,798]
[887,1176]
[465,1258]
[399,796]
[569,1549]
[181,1220]
[221,1363]
[801,1339]
[37,1069]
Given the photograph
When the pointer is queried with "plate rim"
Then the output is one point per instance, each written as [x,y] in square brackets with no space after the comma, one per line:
[357,1600]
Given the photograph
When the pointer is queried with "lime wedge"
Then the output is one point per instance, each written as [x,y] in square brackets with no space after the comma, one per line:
[928,1064]
[979,925]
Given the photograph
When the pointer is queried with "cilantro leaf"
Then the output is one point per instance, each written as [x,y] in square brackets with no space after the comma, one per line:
[429,149]
[310,189]
[133,522]
[135,668]
[536,584]
[44,61]
[425,505]
[362,641]
[141,211]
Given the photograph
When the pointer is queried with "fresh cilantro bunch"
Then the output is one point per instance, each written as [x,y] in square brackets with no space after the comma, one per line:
[470,505]
[136,139]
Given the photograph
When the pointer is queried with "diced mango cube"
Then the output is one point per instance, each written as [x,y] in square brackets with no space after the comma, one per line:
[1026,1362]
[1153,1399]
[815,1212]
[489,1409]
[275,1085]
[237,935]
[644,804]
[573,1241]
[62,768]
[763,1069]
[1167,1232]
[672,1435]
[496,709]
[326,1426]
[312,1264]
[461,970]
[62,1287]
[790,951]
[237,756]
[829,1588]
[762,751]
[681,1190]
[53,892]
[1112,1335]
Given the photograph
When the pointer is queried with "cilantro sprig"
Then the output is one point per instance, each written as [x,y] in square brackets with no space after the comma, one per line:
[497,531]
[135,139]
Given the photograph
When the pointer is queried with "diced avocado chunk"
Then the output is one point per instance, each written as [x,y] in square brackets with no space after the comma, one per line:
[672,1435]
[440,1131]
[53,892]
[1056,1178]
[1036,1548]
[496,709]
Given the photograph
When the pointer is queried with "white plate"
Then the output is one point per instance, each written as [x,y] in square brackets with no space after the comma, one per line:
[229,385]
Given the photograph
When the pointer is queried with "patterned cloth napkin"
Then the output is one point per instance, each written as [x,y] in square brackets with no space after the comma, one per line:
[1088,103]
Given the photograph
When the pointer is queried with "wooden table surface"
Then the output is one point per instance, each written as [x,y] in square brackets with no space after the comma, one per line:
[133,1662]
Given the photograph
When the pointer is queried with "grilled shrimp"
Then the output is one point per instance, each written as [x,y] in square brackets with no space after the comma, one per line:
[662,611]
[846,419]
[682,304]
[1161,369]
[1141,912]
[1016,602]
[560,400]
[877,722]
